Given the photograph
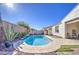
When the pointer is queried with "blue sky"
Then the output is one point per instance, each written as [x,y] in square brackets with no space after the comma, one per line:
[36,15]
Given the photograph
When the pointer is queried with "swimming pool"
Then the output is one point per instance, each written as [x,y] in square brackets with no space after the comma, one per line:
[36,40]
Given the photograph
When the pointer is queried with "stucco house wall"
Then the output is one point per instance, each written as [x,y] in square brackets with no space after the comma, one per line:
[62,27]
[49,29]
[61,32]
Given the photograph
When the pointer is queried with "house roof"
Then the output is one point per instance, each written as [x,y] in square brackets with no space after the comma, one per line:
[72,15]
[73,19]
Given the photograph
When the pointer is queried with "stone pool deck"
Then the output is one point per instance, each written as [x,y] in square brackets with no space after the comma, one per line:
[62,41]
[51,46]
[47,49]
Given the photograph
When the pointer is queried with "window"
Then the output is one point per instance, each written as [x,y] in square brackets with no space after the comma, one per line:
[57,29]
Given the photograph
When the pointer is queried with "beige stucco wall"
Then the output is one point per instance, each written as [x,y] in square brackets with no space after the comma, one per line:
[49,31]
[16,28]
[62,27]
[61,30]
[2,38]
[20,29]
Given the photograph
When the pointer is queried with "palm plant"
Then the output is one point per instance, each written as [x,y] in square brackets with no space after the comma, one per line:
[9,33]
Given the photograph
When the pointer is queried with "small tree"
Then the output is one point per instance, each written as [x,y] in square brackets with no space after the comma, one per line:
[23,24]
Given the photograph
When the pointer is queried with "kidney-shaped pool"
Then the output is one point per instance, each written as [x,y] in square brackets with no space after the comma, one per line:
[36,40]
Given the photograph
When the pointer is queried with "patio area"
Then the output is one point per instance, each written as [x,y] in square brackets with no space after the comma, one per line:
[72,29]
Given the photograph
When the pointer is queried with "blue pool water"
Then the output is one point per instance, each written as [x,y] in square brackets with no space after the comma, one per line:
[36,40]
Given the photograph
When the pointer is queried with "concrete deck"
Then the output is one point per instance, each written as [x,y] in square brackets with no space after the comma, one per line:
[52,46]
